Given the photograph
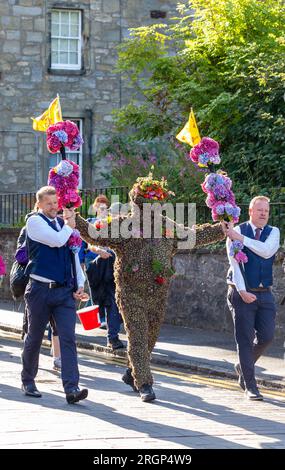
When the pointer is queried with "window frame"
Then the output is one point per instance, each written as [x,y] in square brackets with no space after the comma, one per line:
[71,67]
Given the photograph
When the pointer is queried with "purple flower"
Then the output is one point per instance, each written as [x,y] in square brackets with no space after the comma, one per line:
[77,142]
[62,135]
[152,159]
[220,209]
[203,159]
[236,246]
[236,251]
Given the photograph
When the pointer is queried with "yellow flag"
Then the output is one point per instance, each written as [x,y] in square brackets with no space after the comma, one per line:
[190,132]
[50,116]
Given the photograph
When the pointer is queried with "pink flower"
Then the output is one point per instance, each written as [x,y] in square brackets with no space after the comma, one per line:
[71,128]
[207,148]
[53,144]
[241,257]
[72,139]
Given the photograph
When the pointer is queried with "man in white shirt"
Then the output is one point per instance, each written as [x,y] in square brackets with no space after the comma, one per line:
[249,296]
[56,281]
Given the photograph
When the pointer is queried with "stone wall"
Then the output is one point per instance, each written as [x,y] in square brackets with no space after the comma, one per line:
[27,83]
[8,243]
[197,296]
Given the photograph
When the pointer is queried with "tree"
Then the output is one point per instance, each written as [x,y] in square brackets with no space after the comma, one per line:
[226,59]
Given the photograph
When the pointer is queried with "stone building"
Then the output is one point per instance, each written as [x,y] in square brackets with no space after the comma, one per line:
[65,47]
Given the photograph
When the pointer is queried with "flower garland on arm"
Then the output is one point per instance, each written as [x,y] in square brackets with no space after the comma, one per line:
[217,186]
[64,177]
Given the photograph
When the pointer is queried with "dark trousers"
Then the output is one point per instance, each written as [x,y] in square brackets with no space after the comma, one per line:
[113,317]
[41,303]
[254,326]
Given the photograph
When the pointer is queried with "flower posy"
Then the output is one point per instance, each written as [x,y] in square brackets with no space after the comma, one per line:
[205,152]
[74,241]
[220,197]
[65,179]
[63,133]
[236,251]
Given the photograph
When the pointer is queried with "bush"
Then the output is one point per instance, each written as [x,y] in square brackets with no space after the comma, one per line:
[131,159]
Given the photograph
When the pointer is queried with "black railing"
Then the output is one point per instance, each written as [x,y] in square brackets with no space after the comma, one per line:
[15,206]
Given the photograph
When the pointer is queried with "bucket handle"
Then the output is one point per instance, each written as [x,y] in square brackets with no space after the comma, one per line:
[90,298]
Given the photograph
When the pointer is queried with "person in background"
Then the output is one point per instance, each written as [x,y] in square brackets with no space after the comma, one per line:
[100,275]
[250,298]
[89,253]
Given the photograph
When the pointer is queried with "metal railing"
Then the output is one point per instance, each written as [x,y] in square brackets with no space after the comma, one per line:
[15,206]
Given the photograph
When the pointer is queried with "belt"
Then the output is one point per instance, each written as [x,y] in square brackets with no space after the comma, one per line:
[50,285]
[260,289]
[254,289]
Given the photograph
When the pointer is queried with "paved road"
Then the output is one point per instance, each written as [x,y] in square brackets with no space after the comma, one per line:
[191,412]
[206,351]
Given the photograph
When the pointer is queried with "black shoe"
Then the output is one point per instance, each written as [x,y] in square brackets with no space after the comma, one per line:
[240,377]
[115,343]
[253,394]
[147,393]
[76,395]
[30,390]
[129,380]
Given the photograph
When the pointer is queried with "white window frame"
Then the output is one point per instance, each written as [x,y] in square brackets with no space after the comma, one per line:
[73,152]
[79,39]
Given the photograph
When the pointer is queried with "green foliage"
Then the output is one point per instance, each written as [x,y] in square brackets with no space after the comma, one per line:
[226,58]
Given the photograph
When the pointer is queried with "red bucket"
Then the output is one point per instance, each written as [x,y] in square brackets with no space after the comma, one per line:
[89,317]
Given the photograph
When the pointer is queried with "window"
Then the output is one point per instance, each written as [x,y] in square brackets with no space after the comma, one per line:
[75,156]
[66,39]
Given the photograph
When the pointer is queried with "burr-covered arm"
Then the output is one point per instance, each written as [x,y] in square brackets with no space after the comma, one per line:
[101,237]
[199,235]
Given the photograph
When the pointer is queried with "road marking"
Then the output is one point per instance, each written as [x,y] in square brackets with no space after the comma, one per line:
[218,382]
[226,383]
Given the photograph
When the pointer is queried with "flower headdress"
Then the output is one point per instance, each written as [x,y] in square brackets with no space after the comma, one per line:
[151,189]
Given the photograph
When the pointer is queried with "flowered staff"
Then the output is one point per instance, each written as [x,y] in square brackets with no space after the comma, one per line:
[64,176]
[217,185]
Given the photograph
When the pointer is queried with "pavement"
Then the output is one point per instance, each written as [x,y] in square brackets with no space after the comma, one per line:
[190,350]
[192,411]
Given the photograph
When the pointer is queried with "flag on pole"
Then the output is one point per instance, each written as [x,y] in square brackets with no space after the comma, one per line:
[190,132]
[51,116]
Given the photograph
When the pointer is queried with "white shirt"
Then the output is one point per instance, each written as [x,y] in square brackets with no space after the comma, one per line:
[39,231]
[264,249]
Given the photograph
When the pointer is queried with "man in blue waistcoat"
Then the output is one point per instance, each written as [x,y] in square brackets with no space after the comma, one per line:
[249,298]
[56,281]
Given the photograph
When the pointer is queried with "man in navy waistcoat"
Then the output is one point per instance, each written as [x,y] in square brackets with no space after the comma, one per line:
[250,298]
[56,281]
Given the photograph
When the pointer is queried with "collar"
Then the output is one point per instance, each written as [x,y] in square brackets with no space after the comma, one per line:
[51,220]
[254,227]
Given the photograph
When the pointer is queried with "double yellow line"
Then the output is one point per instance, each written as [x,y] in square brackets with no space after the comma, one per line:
[207,381]
[225,383]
